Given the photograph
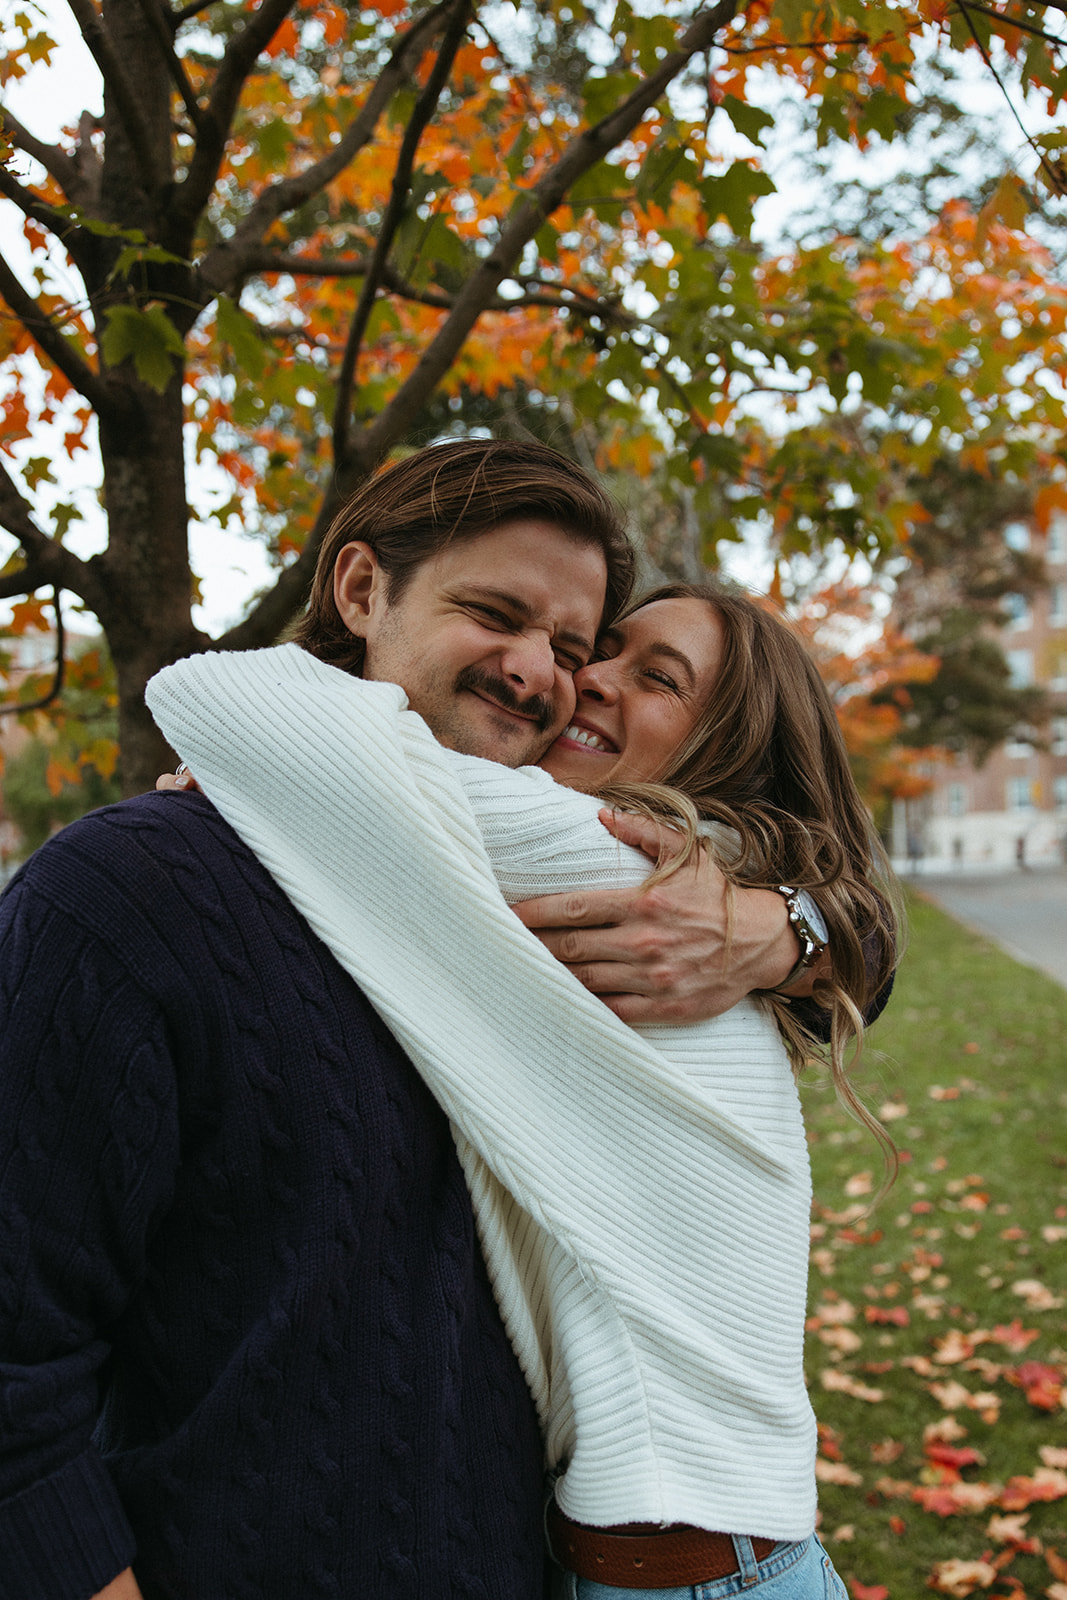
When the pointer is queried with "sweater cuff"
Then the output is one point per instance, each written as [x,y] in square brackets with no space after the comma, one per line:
[65,1537]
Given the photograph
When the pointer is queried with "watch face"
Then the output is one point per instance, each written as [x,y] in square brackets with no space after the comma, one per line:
[815,919]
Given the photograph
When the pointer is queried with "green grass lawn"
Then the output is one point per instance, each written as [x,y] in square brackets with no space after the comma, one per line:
[937,1343]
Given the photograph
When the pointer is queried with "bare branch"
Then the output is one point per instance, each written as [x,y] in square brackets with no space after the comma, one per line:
[225,263]
[425,107]
[48,335]
[118,86]
[527,216]
[31,205]
[161,27]
[1055,182]
[1015,22]
[56,162]
[189,11]
[47,561]
[57,677]
[538,291]
[213,126]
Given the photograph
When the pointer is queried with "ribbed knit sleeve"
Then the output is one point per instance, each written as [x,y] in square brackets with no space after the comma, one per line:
[647,1233]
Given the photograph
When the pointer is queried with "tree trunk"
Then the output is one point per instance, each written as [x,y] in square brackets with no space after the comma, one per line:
[148,619]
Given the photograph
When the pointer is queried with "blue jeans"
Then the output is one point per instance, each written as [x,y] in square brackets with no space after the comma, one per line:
[799,1571]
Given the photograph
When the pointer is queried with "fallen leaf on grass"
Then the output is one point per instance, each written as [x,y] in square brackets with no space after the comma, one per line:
[1053,1455]
[833,1312]
[1055,1562]
[952,1395]
[859,1183]
[897,1315]
[936,1092]
[842,1383]
[1057,1591]
[887,1450]
[956,1499]
[892,1111]
[1009,1530]
[1042,1384]
[953,1346]
[844,1534]
[867,1591]
[961,1578]
[1013,1336]
[843,1340]
[947,1455]
[1053,1235]
[898,1526]
[836,1472]
[894,1488]
[1038,1295]
[947,1428]
[1047,1483]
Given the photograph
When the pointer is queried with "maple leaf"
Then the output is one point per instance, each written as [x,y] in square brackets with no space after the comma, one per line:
[1008,1530]
[1053,1455]
[1042,1384]
[867,1591]
[1047,1483]
[961,1578]
[836,1472]
[1038,1296]
[956,1499]
[947,1455]
[843,1383]
[954,1346]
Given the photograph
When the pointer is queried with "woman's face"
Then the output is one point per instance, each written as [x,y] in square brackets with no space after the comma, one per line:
[640,697]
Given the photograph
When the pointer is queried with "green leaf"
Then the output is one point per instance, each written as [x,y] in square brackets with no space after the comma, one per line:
[241,333]
[732,194]
[135,254]
[602,95]
[149,337]
[62,517]
[750,121]
[38,470]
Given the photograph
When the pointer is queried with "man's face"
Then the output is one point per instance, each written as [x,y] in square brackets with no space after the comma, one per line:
[486,636]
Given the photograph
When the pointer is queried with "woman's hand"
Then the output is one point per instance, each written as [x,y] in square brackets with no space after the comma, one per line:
[182,779]
[659,955]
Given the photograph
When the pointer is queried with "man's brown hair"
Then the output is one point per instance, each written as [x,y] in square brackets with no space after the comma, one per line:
[451,493]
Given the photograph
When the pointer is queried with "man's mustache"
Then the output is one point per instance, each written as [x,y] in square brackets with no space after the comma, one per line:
[539,709]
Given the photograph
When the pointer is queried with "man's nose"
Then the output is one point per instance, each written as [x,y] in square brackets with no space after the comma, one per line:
[529,663]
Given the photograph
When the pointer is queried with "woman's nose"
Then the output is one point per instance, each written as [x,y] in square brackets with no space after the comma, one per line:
[598,680]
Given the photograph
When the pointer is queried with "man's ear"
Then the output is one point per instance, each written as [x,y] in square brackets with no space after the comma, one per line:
[359,588]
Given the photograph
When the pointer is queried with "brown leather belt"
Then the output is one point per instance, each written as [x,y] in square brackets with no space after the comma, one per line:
[643,1556]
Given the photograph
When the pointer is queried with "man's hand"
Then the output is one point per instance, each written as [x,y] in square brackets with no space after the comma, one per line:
[659,955]
[124,1587]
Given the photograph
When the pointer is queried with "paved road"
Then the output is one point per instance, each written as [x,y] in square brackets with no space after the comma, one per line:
[1025,913]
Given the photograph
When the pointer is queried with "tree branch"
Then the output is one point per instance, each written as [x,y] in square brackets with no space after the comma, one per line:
[213,128]
[1055,182]
[188,11]
[31,205]
[223,265]
[1014,22]
[47,561]
[58,350]
[267,619]
[425,106]
[117,84]
[57,677]
[161,27]
[56,162]
[527,216]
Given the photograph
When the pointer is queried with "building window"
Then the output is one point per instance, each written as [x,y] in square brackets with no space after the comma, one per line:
[1020,668]
[1017,535]
[1018,749]
[957,799]
[1057,605]
[1017,610]
[1020,797]
[1059,793]
[1058,680]
[1056,548]
[1059,736]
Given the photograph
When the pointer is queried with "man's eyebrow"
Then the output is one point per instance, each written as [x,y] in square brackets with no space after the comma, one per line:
[525,610]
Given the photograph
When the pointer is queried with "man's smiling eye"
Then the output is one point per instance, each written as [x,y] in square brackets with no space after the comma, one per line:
[568,660]
[491,616]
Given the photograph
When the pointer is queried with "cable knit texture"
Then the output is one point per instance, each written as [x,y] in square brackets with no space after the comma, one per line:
[643,1201]
[247,1337]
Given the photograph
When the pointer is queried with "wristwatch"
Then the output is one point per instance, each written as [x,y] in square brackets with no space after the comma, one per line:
[809,925]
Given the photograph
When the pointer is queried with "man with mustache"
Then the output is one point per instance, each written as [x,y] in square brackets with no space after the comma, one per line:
[247,1344]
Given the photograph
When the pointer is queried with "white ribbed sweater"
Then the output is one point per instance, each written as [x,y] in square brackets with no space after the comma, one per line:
[642,1197]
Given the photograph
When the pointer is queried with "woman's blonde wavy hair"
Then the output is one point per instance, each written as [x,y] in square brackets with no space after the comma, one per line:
[766,758]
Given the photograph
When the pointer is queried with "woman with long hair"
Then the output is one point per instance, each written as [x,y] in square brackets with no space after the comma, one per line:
[642,1195]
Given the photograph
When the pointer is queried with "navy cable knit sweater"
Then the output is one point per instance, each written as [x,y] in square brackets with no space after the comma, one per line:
[246,1337]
